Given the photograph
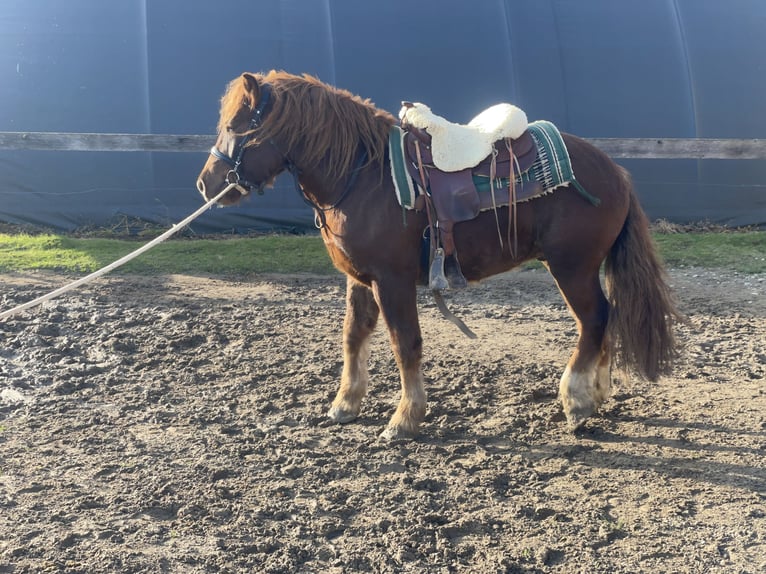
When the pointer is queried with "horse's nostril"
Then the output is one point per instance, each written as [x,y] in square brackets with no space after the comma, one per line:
[201,186]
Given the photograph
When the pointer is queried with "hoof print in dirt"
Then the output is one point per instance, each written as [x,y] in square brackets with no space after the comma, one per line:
[239,468]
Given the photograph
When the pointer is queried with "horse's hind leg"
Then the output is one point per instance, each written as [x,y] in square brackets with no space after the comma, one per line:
[586,382]
[361,316]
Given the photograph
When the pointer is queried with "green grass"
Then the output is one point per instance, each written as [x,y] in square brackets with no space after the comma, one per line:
[236,256]
[743,251]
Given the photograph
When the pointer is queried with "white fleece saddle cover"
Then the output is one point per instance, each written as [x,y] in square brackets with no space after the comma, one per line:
[455,147]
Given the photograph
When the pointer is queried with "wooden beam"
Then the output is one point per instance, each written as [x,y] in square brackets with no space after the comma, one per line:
[679,148]
[53,141]
[624,148]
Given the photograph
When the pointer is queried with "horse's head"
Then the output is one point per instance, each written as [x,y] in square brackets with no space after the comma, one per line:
[240,159]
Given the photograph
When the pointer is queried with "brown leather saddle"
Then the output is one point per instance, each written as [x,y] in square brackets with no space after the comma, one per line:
[454,195]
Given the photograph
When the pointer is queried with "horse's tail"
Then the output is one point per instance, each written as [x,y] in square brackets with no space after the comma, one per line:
[642,307]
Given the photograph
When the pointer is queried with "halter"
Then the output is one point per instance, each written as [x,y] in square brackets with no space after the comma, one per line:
[234,176]
[236,181]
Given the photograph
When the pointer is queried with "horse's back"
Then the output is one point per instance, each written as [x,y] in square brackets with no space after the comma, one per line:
[598,173]
[570,227]
[563,225]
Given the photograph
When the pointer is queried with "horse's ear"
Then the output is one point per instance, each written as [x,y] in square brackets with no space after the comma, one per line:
[252,86]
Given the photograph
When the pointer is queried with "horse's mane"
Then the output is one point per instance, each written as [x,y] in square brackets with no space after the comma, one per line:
[327,123]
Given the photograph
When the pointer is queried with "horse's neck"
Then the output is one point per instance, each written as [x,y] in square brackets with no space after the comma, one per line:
[320,188]
[317,186]
[308,179]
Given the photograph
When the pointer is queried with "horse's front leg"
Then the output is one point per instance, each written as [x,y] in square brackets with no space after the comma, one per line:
[397,299]
[361,316]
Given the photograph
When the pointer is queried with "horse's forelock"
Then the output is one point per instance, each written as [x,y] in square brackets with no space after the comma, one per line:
[235,96]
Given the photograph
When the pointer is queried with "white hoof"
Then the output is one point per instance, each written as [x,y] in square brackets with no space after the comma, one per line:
[341,416]
[396,433]
[582,393]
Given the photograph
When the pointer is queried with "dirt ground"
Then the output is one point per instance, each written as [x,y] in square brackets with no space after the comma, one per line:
[177,424]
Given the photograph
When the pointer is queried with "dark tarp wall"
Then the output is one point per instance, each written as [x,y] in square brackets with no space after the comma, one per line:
[597,68]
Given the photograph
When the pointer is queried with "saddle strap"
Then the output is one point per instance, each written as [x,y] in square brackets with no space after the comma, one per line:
[492,176]
[427,197]
[512,203]
[512,199]
[450,316]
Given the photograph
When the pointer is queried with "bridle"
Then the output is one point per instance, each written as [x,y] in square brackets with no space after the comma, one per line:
[234,176]
[235,180]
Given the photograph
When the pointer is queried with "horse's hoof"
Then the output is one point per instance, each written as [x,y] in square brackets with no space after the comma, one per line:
[341,416]
[577,417]
[573,424]
[396,433]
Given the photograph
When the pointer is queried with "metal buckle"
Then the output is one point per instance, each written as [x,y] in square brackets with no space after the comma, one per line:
[236,175]
[235,182]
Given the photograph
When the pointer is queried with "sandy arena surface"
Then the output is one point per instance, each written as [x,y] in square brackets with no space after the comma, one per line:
[177,424]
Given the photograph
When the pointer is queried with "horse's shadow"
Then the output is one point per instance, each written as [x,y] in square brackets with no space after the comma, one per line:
[709,461]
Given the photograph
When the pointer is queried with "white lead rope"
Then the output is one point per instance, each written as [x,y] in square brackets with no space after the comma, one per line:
[61,290]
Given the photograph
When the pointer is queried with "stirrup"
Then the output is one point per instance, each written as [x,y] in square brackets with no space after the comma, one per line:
[454,274]
[437,281]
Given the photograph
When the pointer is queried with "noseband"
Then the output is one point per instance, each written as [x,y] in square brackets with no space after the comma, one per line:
[234,176]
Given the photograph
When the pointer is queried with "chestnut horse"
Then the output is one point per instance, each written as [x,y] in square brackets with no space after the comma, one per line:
[335,145]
